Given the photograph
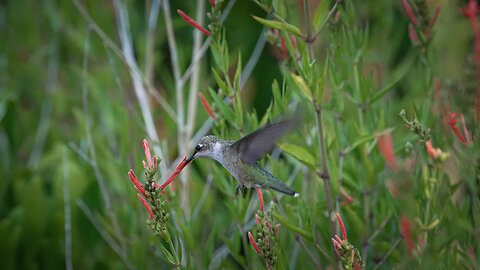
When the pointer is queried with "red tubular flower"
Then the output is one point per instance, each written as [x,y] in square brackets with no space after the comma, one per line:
[342,227]
[206,106]
[147,206]
[138,186]
[257,220]
[277,230]
[336,244]
[385,145]
[260,199]
[192,22]
[452,122]
[435,15]
[412,34]
[432,152]
[284,48]
[405,230]
[252,241]
[409,12]
[179,168]
[148,155]
[294,42]
[212,3]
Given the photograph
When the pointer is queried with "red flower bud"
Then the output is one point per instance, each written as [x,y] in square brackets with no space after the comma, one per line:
[452,122]
[177,171]
[138,186]
[409,12]
[342,227]
[406,233]
[147,206]
[253,243]
[385,145]
[192,22]
[148,156]
[260,199]
[206,105]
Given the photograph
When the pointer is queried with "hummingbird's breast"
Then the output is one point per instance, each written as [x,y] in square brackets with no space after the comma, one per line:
[244,173]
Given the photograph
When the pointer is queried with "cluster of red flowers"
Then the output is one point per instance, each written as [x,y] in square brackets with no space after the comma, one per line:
[265,233]
[419,22]
[150,166]
[349,255]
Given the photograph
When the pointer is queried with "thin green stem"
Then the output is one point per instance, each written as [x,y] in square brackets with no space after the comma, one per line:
[388,253]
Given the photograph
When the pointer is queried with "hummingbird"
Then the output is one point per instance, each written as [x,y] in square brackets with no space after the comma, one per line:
[240,158]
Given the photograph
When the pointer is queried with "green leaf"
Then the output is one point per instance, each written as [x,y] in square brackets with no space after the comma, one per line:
[168,256]
[224,109]
[292,227]
[302,86]
[321,82]
[221,84]
[398,74]
[238,73]
[321,13]
[299,153]
[292,29]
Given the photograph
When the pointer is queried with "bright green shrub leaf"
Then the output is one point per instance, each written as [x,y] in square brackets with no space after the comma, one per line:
[299,153]
[292,29]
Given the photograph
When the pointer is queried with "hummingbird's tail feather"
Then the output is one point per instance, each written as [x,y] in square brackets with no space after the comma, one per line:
[279,186]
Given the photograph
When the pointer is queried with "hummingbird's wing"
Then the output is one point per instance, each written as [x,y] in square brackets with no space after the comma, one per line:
[258,143]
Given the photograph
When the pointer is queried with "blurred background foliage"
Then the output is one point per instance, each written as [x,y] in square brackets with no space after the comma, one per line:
[71,127]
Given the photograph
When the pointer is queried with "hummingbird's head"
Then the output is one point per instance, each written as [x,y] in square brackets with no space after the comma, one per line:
[208,146]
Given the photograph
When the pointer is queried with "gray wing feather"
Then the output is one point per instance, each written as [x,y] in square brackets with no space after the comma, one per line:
[258,143]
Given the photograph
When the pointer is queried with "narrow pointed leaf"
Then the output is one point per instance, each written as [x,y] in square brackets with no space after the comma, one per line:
[299,153]
[302,86]
[292,29]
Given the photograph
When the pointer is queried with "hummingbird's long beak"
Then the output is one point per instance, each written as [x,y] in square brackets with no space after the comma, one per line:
[188,160]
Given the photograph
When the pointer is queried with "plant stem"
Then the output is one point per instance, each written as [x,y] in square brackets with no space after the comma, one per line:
[324,172]
[388,254]
[321,136]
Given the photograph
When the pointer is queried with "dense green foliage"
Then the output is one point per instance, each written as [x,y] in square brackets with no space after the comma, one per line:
[82,83]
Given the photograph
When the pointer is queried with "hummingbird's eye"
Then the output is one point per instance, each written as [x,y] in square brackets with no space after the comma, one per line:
[198,147]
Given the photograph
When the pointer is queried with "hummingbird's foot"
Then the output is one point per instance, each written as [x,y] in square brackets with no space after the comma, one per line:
[240,189]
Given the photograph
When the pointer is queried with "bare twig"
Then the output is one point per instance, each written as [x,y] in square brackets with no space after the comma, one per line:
[150,42]
[251,63]
[127,50]
[206,44]
[180,106]
[110,44]
[67,212]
